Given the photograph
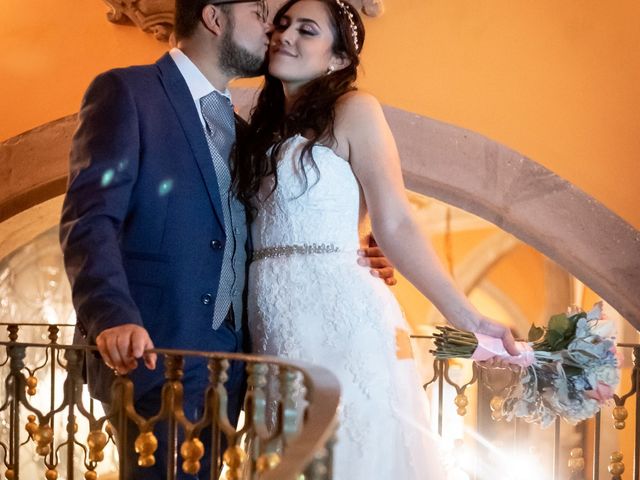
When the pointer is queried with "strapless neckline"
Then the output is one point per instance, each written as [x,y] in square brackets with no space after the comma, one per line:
[313,202]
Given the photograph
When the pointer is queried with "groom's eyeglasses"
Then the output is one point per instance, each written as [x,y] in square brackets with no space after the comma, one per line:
[263,7]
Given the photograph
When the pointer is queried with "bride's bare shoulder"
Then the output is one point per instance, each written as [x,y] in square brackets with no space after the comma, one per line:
[356,102]
[357,112]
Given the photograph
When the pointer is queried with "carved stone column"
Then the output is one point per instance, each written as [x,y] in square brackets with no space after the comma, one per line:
[152,16]
[156,16]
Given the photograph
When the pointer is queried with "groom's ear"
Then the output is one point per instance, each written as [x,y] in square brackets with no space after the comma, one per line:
[212,20]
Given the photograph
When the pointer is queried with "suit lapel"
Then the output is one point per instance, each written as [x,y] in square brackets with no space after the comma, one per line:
[187,114]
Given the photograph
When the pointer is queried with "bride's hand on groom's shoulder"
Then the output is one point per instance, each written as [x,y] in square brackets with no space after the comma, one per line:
[380,265]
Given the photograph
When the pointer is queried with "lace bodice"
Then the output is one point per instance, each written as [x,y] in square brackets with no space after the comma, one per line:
[326,212]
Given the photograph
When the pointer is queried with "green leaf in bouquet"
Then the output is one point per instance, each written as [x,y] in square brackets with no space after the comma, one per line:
[561,331]
[535,333]
[554,339]
[559,324]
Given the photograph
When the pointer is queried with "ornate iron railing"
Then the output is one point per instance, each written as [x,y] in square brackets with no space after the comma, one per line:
[294,441]
[567,463]
[49,425]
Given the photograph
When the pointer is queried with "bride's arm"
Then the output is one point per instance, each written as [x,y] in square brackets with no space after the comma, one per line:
[374,158]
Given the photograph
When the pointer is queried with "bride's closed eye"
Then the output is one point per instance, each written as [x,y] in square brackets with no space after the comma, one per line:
[306,30]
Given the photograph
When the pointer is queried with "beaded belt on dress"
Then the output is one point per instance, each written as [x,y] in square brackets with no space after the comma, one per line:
[287,250]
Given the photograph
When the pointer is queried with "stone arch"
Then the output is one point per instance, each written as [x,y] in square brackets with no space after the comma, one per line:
[443,161]
[525,199]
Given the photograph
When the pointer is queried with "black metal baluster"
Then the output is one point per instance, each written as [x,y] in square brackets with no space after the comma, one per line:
[17,354]
[596,447]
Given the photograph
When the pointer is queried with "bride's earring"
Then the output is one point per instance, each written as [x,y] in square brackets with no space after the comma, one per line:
[330,70]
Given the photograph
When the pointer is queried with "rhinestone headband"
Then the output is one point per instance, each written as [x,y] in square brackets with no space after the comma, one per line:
[352,23]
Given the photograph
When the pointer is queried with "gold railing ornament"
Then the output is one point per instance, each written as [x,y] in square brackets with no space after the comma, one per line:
[90,475]
[31,427]
[576,463]
[51,474]
[267,462]
[96,441]
[32,383]
[234,458]
[461,402]
[191,452]
[146,445]
[619,414]
[43,437]
[616,466]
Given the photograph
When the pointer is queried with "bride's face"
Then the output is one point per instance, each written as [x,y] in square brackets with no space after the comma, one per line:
[301,44]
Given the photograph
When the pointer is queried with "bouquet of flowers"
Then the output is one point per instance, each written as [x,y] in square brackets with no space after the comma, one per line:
[570,367]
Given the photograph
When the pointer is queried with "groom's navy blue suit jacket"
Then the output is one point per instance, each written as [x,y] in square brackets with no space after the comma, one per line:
[142,227]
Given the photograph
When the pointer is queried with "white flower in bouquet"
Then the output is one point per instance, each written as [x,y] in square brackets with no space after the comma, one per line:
[599,324]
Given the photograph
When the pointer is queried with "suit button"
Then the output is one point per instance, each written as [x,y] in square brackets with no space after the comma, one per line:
[216,244]
[206,298]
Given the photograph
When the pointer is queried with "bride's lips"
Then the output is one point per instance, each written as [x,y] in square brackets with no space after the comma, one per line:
[283,51]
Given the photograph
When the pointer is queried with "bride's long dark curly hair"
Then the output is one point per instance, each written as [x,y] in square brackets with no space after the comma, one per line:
[312,115]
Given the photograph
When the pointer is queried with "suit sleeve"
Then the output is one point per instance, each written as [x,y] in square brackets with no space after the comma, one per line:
[104,162]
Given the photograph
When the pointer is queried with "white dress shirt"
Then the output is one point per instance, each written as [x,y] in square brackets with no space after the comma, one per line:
[198,84]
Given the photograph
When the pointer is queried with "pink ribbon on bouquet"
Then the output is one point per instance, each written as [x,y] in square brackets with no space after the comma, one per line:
[491,347]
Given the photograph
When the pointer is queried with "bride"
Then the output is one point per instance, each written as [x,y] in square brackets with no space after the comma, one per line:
[320,158]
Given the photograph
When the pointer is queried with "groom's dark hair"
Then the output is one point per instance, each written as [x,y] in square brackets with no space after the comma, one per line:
[188,15]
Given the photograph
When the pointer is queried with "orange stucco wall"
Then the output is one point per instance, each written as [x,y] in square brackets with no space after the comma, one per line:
[557,81]
[51,50]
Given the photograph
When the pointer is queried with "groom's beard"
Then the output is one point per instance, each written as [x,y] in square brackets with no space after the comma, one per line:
[237,61]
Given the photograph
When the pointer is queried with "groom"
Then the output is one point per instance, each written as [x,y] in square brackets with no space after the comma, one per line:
[154,245]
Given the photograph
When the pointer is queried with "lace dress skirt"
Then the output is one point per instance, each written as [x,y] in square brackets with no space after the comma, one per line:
[325,309]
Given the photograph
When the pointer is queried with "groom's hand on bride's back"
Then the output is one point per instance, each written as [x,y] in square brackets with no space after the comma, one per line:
[122,346]
[373,257]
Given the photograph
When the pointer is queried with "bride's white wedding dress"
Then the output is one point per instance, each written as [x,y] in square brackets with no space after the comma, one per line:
[309,300]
